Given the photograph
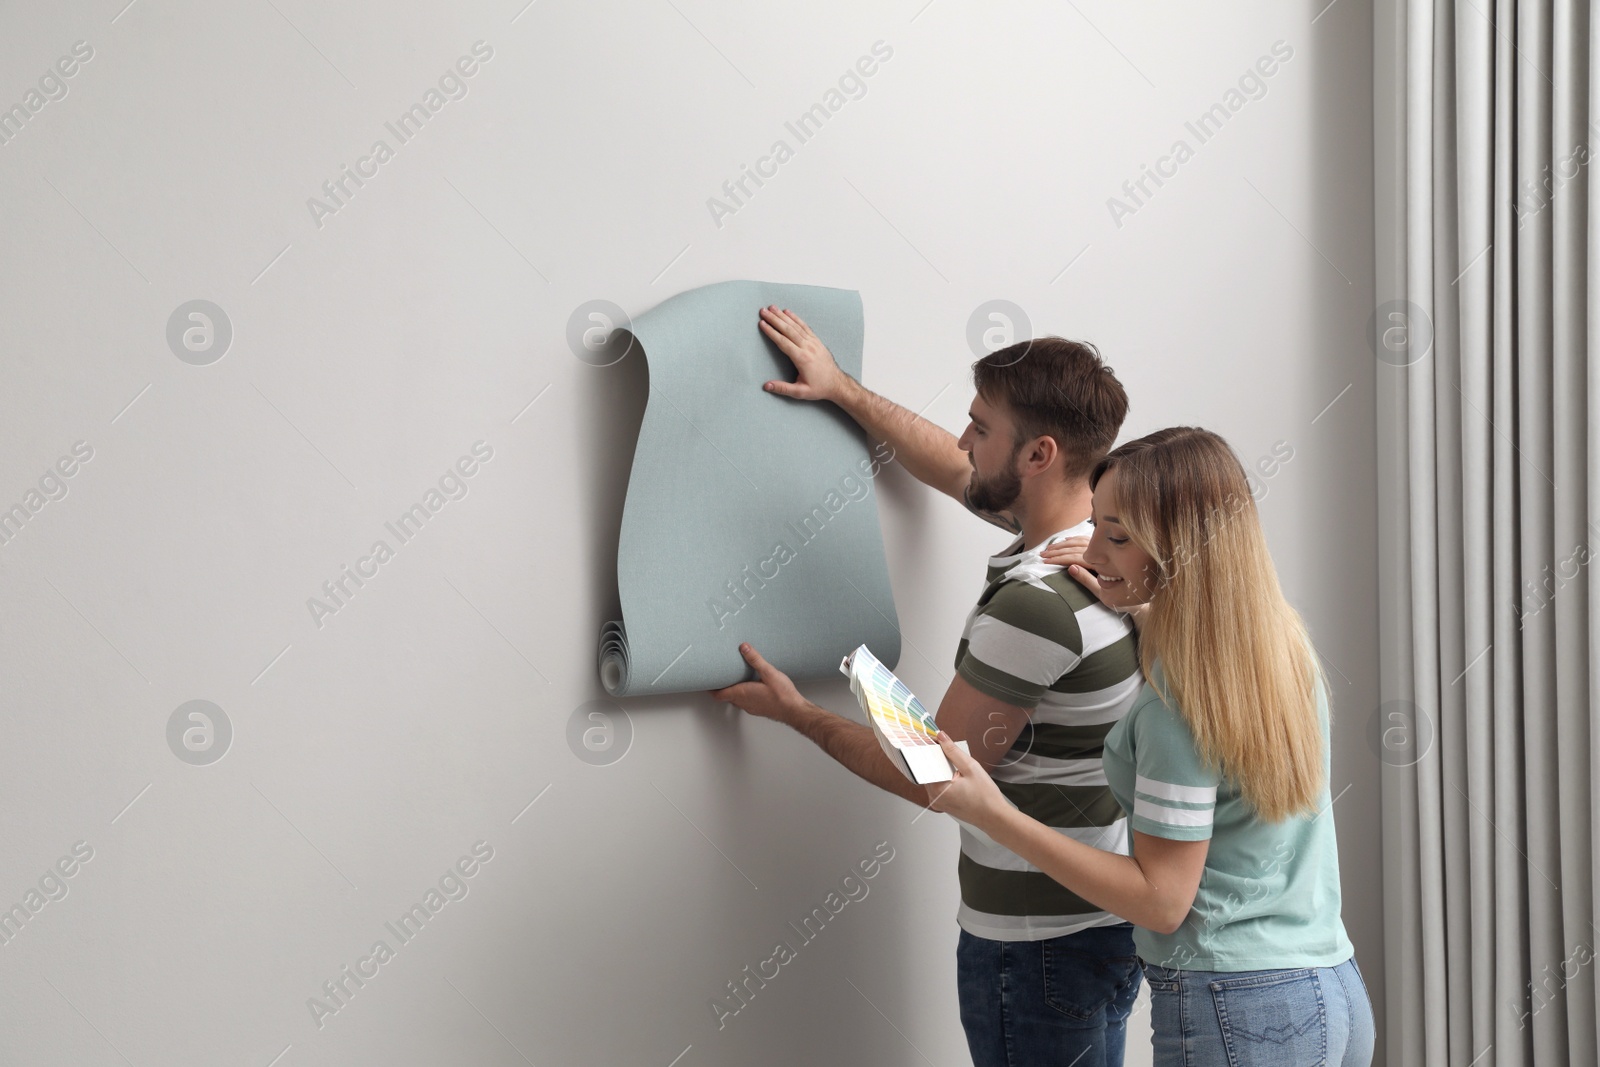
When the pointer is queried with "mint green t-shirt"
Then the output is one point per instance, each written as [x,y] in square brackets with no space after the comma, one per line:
[1269,893]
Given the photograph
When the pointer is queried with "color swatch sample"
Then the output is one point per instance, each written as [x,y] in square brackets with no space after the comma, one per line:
[749,516]
[902,725]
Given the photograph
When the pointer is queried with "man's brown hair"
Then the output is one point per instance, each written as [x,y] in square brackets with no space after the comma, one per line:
[1057,388]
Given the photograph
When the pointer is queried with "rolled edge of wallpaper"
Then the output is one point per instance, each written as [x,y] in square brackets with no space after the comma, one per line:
[721,472]
[614,657]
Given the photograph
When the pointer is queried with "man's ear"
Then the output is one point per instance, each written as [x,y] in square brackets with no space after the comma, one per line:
[1049,450]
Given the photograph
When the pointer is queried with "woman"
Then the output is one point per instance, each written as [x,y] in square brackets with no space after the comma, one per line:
[1222,766]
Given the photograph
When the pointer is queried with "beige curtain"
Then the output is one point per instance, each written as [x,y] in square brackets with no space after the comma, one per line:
[1487,415]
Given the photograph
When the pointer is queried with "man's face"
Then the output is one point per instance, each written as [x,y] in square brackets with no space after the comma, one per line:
[988,442]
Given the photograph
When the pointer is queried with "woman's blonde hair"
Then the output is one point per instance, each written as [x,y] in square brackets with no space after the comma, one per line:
[1235,656]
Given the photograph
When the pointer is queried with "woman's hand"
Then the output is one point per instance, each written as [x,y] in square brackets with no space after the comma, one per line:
[1068,553]
[819,375]
[971,795]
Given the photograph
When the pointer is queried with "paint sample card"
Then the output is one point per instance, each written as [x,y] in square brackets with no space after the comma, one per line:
[902,725]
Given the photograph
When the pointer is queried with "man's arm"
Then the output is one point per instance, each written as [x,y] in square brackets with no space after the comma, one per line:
[855,746]
[987,725]
[929,452]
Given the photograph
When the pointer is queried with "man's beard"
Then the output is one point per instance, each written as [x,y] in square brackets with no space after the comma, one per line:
[1001,491]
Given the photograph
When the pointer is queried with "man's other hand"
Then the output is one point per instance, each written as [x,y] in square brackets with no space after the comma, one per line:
[770,697]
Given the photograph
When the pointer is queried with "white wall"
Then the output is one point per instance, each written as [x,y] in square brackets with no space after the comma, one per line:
[371,351]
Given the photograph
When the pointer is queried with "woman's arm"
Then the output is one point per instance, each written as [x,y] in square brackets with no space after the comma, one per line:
[1153,888]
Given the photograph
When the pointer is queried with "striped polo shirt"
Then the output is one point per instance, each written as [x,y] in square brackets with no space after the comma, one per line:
[1038,640]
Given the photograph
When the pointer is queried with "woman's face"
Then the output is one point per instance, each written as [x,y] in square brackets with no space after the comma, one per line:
[1127,574]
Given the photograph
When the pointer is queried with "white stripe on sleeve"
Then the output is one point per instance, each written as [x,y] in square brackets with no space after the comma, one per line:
[1149,809]
[1187,794]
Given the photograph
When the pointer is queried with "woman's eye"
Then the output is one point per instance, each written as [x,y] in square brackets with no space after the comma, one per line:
[1117,540]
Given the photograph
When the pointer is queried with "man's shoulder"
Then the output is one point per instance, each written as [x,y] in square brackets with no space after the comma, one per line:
[1035,606]
[1048,603]
[1051,591]
[1074,593]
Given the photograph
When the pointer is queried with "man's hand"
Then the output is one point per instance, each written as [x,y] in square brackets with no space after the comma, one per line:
[971,795]
[820,377]
[771,697]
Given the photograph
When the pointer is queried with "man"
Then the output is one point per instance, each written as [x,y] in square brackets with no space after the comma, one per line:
[1043,671]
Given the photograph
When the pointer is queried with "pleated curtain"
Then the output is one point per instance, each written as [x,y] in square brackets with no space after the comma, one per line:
[1487,477]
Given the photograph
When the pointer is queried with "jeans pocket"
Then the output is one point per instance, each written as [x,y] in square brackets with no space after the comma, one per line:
[1160,979]
[1081,986]
[1272,1018]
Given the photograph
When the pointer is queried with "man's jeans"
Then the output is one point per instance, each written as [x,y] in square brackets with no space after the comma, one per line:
[1062,1002]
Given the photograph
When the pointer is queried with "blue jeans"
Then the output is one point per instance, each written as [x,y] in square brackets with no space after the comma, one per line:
[1279,1018]
[1061,1002]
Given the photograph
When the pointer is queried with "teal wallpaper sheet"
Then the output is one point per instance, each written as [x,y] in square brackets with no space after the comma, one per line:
[749,516]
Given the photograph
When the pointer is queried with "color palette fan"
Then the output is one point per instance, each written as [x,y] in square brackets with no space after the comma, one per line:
[902,725]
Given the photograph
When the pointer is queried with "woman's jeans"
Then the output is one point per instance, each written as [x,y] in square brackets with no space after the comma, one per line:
[1280,1018]
[1061,1002]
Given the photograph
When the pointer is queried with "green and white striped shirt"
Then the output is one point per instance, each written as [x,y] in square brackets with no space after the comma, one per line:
[1038,640]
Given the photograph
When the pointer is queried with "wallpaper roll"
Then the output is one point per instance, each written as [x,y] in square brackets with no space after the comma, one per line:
[749,516]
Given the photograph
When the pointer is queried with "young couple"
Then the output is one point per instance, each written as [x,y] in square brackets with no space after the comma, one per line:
[1147,790]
